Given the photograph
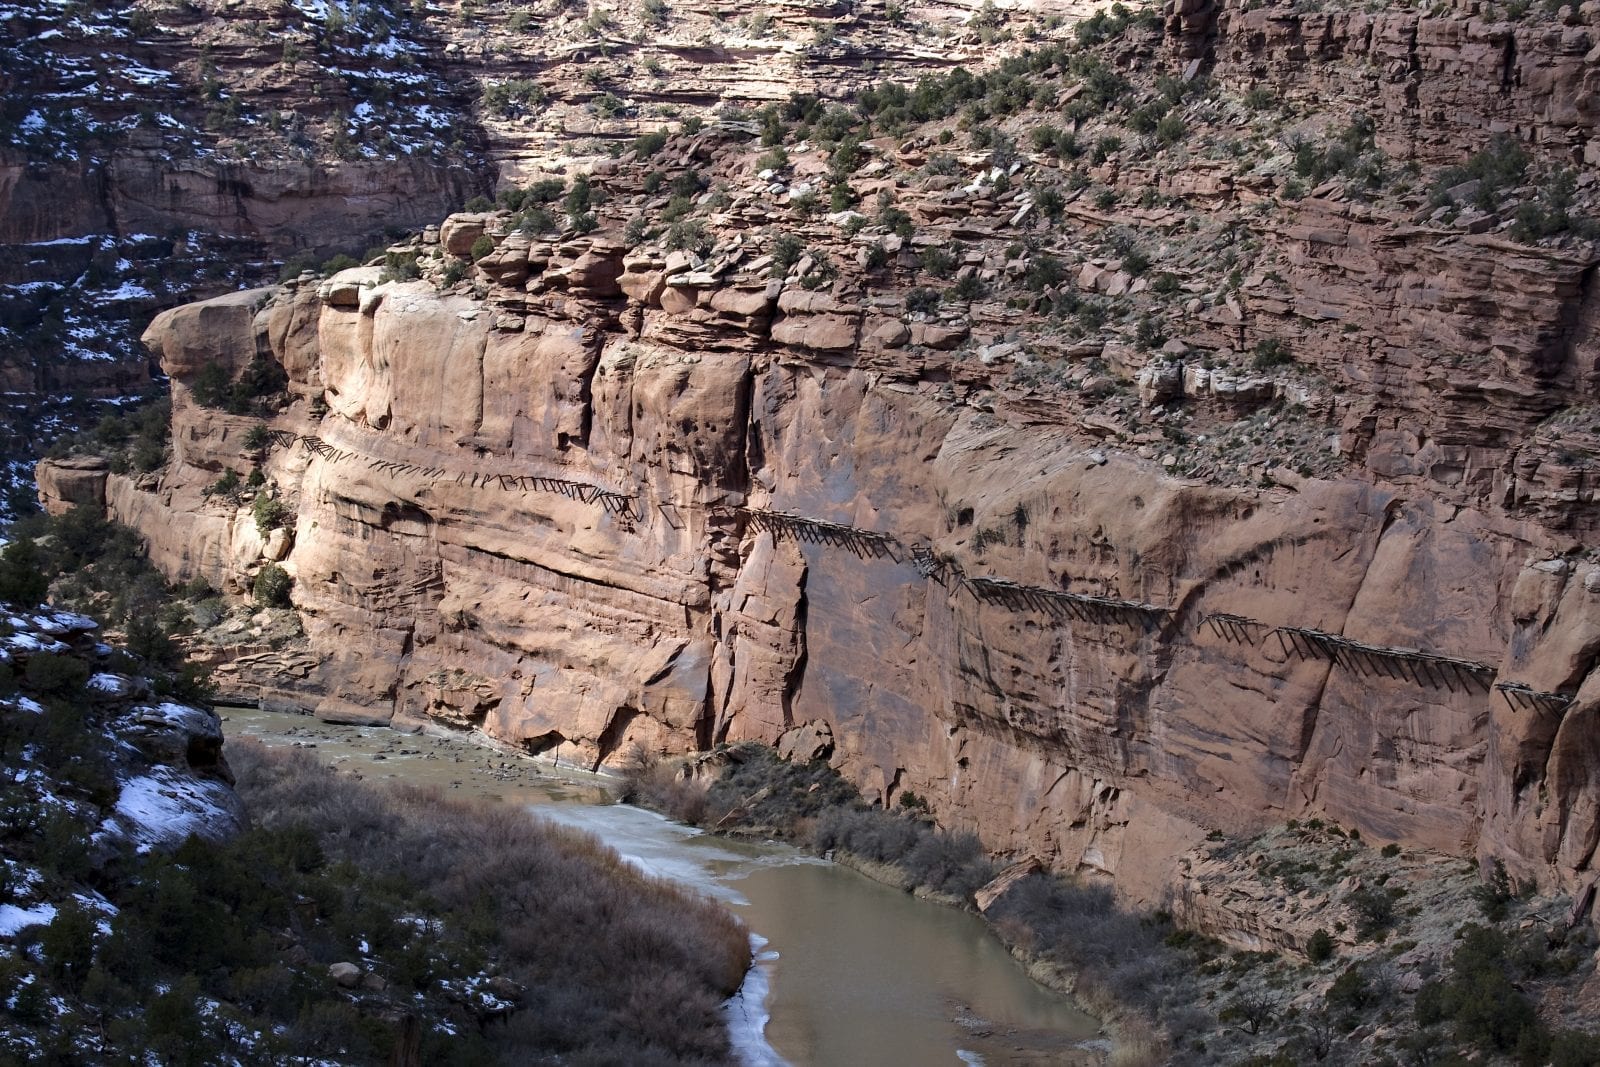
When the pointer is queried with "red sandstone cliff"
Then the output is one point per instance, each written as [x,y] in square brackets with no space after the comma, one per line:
[1090,594]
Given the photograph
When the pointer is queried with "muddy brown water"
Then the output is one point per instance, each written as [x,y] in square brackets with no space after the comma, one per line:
[848,972]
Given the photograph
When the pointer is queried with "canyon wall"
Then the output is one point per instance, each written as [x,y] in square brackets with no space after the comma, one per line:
[443,574]
[1091,597]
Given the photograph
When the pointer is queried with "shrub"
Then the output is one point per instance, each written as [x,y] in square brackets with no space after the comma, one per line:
[968,288]
[271,587]
[1494,896]
[773,159]
[1550,212]
[256,438]
[648,144]
[1374,908]
[1500,166]
[644,984]
[1271,353]
[210,385]
[786,252]
[922,300]
[1260,98]
[690,235]
[939,261]
[1050,202]
[399,267]
[1479,997]
[536,220]
[59,676]
[894,219]
[509,99]
[483,246]
[1149,334]
[1045,139]
[1251,1011]
[478,204]
[1319,947]
[1103,26]
[23,580]
[68,945]
[544,191]
[579,198]
[226,485]
[1350,153]
[146,639]
[1351,990]
[270,513]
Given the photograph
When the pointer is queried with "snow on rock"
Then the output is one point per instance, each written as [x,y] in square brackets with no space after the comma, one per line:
[27,642]
[194,721]
[14,919]
[40,630]
[111,685]
[164,807]
[174,734]
[55,623]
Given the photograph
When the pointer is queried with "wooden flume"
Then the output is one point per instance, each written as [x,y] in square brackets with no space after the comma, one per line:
[1235,628]
[1421,668]
[614,503]
[1416,666]
[868,544]
[1524,697]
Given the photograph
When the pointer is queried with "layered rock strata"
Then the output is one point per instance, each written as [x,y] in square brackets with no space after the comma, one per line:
[1094,592]
[446,574]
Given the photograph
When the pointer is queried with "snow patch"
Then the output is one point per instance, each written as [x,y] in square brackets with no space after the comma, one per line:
[14,919]
[166,808]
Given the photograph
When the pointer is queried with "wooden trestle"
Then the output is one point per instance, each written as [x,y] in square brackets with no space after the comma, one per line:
[1427,669]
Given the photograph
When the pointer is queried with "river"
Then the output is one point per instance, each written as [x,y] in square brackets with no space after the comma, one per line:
[847,972]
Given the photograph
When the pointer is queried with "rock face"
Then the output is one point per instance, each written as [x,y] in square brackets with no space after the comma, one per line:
[445,519]
[1092,595]
[153,155]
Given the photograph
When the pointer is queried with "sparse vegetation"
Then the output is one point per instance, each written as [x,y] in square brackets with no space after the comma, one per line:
[1350,153]
[260,382]
[1271,353]
[513,98]
[271,586]
[505,940]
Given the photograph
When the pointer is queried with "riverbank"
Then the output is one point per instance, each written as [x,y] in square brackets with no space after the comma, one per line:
[848,970]
[1071,939]
[1397,926]
[1336,952]
[568,950]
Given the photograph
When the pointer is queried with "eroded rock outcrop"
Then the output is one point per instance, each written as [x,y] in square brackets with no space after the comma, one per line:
[1294,527]
[434,531]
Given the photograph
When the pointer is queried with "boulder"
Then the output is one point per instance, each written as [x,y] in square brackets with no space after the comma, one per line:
[71,481]
[459,231]
[810,741]
[346,974]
